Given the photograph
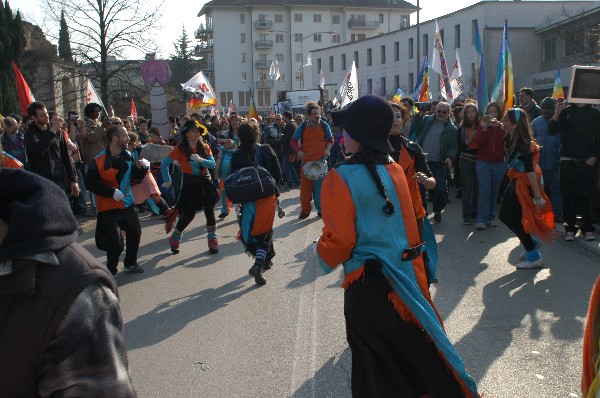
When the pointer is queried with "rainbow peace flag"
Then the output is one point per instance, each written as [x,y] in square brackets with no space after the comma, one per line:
[558,91]
[252,112]
[480,73]
[504,86]
[421,92]
[398,96]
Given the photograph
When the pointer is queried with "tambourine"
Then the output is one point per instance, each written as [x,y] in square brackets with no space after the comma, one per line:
[315,169]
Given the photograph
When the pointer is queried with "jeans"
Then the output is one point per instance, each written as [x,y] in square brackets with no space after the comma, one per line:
[439,170]
[289,172]
[470,189]
[551,178]
[577,185]
[489,177]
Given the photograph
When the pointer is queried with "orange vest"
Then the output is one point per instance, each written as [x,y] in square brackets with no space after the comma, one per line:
[109,177]
[313,143]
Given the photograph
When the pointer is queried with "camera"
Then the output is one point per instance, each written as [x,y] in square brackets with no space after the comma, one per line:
[74,117]
[423,106]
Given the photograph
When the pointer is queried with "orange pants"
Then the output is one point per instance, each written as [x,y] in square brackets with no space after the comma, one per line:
[309,190]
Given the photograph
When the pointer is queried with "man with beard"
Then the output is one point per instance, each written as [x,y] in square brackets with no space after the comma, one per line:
[109,177]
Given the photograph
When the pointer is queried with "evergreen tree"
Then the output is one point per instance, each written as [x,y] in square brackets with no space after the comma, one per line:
[183,64]
[12,45]
[64,42]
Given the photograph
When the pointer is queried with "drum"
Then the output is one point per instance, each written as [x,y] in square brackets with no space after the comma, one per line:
[155,153]
[315,169]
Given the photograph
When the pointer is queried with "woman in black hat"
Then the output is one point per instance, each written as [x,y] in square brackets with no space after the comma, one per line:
[197,192]
[399,347]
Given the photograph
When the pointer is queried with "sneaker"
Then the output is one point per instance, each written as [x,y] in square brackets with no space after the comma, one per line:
[267,266]
[524,252]
[135,268]
[467,222]
[491,224]
[539,263]
[437,217]
[213,245]
[590,236]
[480,226]
[174,245]
[223,215]
[319,214]
[302,216]
[570,236]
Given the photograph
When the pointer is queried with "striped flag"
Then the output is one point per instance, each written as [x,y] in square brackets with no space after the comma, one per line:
[504,88]
[421,92]
[133,111]
[23,91]
[558,91]
[252,112]
[398,96]
[439,62]
[231,107]
[480,73]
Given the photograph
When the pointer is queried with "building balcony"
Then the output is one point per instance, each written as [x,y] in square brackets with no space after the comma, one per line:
[263,44]
[203,32]
[203,49]
[263,64]
[263,24]
[265,84]
[362,24]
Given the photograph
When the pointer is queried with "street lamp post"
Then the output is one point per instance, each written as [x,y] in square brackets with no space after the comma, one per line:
[331,32]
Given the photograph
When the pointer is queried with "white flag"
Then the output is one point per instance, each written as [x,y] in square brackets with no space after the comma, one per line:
[92,96]
[276,70]
[456,80]
[199,84]
[322,79]
[272,70]
[349,87]
[308,61]
[438,64]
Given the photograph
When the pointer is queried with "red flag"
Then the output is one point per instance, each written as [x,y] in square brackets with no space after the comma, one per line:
[25,96]
[133,111]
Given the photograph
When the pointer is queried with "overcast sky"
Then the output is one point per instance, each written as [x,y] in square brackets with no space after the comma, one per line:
[176,13]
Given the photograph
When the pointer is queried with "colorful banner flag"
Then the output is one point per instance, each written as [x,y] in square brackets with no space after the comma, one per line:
[23,91]
[349,87]
[197,103]
[456,80]
[252,112]
[421,92]
[439,62]
[558,91]
[504,89]
[481,89]
[92,96]
[133,111]
[398,96]
[200,85]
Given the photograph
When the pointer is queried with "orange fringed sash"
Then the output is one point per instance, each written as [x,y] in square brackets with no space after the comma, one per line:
[590,341]
[539,222]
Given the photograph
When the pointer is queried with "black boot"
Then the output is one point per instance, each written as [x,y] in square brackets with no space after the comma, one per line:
[256,272]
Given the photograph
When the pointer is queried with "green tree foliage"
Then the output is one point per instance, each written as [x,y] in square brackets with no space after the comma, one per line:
[64,42]
[12,45]
[183,63]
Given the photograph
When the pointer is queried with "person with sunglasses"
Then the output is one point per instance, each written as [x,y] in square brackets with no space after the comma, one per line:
[437,137]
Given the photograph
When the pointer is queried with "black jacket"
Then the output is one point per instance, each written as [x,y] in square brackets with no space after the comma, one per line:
[48,155]
[244,157]
[580,138]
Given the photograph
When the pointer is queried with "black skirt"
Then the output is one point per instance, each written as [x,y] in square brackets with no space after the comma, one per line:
[390,357]
[197,193]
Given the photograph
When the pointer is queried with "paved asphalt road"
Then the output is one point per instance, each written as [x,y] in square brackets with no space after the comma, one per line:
[196,325]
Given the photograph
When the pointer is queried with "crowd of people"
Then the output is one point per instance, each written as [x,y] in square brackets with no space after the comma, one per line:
[369,170]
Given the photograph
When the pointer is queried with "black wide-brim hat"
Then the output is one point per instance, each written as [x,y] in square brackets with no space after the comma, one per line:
[367,120]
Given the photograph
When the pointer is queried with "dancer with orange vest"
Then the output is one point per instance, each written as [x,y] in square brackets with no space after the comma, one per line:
[109,178]
[399,346]
[313,141]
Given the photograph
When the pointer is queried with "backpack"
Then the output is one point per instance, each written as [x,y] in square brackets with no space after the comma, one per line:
[251,183]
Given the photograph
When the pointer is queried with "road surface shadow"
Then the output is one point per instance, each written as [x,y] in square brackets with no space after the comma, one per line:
[331,381]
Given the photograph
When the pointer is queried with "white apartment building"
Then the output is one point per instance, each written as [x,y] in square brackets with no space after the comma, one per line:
[389,61]
[241,38]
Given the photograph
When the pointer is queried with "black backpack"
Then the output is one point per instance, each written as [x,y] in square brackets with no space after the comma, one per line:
[251,183]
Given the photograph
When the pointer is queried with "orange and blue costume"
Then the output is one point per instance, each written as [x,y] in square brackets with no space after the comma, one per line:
[312,139]
[382,256]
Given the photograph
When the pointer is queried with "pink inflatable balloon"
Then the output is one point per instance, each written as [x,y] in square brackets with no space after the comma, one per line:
[155,71]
